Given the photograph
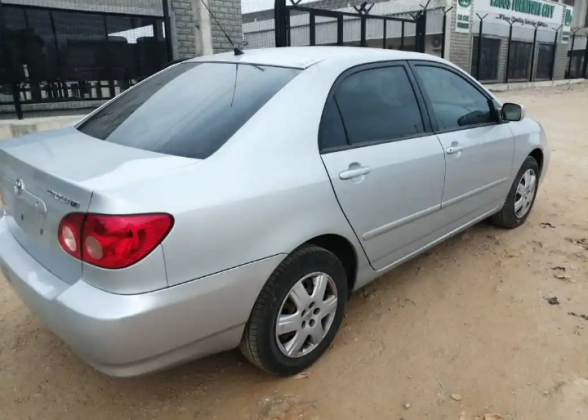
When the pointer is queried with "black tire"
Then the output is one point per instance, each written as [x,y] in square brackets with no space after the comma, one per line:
[259,343]
[506,217]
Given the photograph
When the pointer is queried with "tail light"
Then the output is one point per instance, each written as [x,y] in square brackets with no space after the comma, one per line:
[113,242]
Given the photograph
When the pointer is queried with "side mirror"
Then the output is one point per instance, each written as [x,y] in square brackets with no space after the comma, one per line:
[512,112]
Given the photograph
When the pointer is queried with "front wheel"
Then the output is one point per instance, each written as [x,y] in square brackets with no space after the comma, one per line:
[297,313]
[521,197]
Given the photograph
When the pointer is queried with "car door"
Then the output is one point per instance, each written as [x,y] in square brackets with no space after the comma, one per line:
[479,148]
[386,166]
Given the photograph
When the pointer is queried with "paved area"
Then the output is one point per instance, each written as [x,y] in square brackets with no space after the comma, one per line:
[464,331]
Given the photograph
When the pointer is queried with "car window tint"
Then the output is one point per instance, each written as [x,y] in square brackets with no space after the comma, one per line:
[456,103]
[379,104]
[331,132]
[190,109]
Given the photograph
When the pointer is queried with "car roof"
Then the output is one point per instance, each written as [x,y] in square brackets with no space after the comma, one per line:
[304,57]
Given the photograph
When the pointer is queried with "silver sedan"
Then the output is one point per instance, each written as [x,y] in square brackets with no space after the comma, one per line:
[239,200]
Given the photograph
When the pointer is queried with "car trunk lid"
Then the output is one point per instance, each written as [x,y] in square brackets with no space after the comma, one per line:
[48,175]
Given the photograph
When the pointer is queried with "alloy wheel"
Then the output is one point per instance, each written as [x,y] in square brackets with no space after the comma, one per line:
[306,315]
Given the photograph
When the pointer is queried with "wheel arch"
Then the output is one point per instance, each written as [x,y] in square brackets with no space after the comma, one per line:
[343,249]
[537,154]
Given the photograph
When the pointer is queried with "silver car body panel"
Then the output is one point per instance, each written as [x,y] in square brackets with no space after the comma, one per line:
[239,212]
[129,335]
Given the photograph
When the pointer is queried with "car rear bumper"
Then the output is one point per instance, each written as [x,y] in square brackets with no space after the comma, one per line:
[130,335]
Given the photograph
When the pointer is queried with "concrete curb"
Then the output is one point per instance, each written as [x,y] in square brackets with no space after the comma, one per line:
[16,128]
[503,87]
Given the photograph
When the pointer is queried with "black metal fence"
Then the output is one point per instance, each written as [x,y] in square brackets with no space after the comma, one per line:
[578,54]
[56,55]
[514,51]
[378,24]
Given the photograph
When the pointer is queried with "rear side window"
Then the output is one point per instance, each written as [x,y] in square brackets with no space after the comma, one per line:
[379,104]
[188,110]
[332,132]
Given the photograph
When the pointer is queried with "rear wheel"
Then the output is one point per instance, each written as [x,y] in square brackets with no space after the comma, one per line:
[521,197]
[297,313]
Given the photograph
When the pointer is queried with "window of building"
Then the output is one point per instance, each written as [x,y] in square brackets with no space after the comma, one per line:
[488,58]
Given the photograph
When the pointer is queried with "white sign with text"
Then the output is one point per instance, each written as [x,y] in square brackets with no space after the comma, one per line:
[462,16]
[546,14]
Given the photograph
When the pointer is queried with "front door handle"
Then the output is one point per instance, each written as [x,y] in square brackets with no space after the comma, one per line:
[354,172]
[453,149]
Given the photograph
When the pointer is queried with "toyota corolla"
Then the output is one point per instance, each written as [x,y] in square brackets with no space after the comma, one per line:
[238,200]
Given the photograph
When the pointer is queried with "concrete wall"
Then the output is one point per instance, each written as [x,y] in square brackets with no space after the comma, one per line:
[461,45]
[13,128]
[228,14]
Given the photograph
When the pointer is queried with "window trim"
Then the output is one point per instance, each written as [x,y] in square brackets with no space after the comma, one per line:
[435,125]
[427,127]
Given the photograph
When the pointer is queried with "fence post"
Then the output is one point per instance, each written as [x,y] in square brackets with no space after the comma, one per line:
[340,30]
[585,64]
[421,31]
[479,58]
[533,52]
[554,51]
[385,35]
[312,27]
[363,40]
[280,18]
[402,37]
[60,92]
[508,52]
[572,53]
[108,60]
[169,45]
[445,11]
[10,66]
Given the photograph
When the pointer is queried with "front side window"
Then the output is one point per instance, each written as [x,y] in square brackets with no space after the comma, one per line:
[188,110]
[456,103]
[378,104]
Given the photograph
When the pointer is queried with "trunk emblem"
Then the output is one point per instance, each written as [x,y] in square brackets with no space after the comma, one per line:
[63,199]
[19,187]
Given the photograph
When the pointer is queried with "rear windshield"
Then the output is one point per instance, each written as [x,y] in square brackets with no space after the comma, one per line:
[188,110]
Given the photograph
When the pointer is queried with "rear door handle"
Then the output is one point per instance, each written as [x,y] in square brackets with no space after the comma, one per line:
[453,149]
[354,173]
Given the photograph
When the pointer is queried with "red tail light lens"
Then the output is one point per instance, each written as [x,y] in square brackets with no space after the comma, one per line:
[69,234]
[113,242]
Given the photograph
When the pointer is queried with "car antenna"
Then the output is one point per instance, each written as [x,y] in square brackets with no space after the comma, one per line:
[236,50]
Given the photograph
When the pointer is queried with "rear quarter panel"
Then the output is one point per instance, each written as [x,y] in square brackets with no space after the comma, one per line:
[264,193]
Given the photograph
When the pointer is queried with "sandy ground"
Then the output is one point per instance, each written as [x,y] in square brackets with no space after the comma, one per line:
[460,332]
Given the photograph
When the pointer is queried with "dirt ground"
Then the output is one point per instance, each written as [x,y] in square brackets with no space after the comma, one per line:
[463,331]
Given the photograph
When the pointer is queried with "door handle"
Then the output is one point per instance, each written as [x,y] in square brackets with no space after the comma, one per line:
[354,173]
[453,149]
